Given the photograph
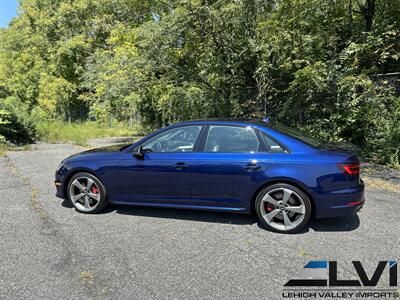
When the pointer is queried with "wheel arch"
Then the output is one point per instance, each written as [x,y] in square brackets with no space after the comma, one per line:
[284,180]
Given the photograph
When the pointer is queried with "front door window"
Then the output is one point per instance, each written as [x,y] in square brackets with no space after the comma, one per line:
[180,139]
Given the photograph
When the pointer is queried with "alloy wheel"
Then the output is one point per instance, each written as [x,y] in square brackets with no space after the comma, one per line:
[84,194]
[282,209]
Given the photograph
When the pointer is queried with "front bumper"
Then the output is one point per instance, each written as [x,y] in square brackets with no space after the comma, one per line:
[59,189]
[59,181]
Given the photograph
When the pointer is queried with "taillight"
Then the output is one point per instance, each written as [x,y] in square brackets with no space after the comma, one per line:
[355,203]
[350,169]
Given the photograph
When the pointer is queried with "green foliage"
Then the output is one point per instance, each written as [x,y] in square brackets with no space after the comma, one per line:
[3,122]
[55,94]
[80,133]
[307,63]
[14,127]
[385,143]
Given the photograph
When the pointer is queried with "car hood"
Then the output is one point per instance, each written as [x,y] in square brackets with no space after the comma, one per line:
[111,148]
[102,153]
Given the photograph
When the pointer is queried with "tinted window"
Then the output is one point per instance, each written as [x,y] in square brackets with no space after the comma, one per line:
[298,134]
[271,144]
[231,139]
[180,139]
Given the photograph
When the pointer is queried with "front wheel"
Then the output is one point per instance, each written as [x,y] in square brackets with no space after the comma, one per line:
[86,193]
[283,208]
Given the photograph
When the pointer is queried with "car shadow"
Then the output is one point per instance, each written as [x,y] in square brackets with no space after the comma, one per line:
[338,224]
[348,223]
[185,214]
[66,203]
[180,214]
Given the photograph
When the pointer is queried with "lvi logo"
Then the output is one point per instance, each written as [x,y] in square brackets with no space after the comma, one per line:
[323,273]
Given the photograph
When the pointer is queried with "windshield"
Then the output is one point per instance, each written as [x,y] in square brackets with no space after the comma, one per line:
[298,134]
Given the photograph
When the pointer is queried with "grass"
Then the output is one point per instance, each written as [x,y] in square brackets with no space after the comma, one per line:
[380,184]
[381,177]
[36,204]
[8,147]
[80,133]
[4,148]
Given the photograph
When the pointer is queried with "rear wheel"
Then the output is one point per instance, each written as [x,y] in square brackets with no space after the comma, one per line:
[86,193]
[283,208]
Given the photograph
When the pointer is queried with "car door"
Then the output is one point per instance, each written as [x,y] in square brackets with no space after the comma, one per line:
[228,169]
[163,174]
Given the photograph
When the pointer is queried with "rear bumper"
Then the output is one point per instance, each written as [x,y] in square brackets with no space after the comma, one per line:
[339,203]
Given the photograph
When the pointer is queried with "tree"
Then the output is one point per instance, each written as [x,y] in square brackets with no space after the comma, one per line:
[307,63]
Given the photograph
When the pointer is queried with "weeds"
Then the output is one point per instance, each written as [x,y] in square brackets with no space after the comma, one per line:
[80,133]
[87,277]
[9,147]
[380,184]
[36,204]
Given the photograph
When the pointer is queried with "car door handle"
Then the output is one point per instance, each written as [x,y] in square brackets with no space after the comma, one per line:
[252,166]
[181,165]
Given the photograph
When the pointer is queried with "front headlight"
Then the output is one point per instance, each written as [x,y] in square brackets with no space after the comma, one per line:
[60,166]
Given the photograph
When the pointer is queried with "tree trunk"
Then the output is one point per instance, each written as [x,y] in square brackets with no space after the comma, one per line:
[368,12]
[351,15]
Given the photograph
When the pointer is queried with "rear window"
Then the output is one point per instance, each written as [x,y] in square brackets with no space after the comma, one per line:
[271,144]
[298,134]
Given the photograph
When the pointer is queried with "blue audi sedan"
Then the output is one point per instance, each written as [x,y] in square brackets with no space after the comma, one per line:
[282,175]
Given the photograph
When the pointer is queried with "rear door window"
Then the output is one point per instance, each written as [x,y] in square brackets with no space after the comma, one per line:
[231,139]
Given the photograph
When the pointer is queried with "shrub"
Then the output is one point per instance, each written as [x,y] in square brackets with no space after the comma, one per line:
[14,128]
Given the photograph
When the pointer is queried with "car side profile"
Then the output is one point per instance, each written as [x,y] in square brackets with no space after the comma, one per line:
[282,175]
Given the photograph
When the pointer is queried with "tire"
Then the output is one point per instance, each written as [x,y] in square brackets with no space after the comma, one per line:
[87,193]
[283,208]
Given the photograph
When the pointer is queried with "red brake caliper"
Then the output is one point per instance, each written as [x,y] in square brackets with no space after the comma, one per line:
[94,189]
[269,207]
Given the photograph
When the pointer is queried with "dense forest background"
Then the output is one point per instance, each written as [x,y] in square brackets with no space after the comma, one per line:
[306,63]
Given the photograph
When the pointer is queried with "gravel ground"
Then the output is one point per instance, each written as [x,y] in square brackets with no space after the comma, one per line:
[49,251]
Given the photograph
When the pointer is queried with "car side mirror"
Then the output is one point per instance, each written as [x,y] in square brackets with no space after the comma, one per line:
[139,153]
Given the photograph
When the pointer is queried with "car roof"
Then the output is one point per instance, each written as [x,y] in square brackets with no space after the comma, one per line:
[288,141]
[233,121]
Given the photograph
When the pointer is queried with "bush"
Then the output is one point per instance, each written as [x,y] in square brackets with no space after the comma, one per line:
[388,145]
[3,122]
[14,128]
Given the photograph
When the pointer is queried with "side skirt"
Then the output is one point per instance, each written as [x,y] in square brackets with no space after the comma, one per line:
[193,207]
